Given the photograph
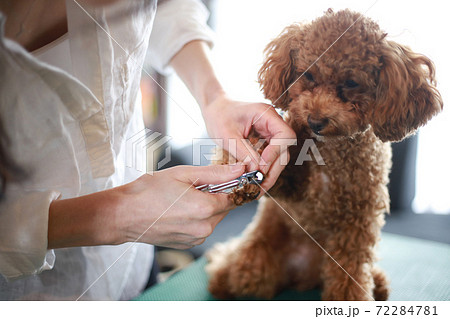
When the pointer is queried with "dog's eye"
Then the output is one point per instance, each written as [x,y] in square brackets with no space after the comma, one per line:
[350,84]
[309,76]
[353,107]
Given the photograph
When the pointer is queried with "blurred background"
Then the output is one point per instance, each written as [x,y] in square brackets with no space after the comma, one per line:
[420,192]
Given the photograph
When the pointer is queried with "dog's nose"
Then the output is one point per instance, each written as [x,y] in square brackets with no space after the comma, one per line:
[317,125]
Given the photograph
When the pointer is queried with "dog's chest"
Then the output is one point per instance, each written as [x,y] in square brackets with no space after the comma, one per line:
[351,174]
[302,264]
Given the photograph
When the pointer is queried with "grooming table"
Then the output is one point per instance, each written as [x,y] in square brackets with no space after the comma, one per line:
[418,270]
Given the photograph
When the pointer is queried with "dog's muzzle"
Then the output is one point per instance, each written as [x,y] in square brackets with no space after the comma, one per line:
[317,125]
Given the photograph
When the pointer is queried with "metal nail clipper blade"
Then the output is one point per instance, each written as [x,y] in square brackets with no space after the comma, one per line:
[255,177]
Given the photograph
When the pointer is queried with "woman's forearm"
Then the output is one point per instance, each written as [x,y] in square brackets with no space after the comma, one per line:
[84,221]
[162,209]
[193,66]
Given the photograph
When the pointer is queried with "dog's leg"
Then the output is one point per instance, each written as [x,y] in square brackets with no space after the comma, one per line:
[348,275]
[381,290]
[251,265]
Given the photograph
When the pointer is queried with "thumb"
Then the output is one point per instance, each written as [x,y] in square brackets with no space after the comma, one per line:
[214,174]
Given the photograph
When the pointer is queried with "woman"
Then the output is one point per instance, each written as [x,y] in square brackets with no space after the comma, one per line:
[68,107]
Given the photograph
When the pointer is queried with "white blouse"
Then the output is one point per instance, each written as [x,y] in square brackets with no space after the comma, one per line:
[68,110]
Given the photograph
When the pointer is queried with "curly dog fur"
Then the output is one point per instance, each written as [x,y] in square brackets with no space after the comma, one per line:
[364,92]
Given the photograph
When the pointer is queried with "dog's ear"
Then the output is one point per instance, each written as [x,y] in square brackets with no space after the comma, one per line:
[406,96]
[278,70]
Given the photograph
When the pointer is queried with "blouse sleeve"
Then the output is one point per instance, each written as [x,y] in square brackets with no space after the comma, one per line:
[177,22]
[34,112]
[23,233]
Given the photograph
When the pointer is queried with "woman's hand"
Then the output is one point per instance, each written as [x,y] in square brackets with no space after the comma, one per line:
[227,119]
[163,209]
[232,120]
[166,210]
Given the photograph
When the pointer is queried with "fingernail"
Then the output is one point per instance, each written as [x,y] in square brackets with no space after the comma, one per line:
[247,161]
[235,168]
[265,168]
[252,166]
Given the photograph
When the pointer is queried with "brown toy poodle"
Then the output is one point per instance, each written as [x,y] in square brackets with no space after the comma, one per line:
[350,90]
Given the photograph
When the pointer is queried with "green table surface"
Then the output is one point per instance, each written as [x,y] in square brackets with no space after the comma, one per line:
[418,270]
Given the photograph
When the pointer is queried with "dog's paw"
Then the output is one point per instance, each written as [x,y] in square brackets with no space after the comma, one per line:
[375,286]
[347,290]
[245,194]
[381,289]
[219,258]
[251,272]
[218,284]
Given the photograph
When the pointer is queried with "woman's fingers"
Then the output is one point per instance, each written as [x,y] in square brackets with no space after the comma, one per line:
[214,174]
